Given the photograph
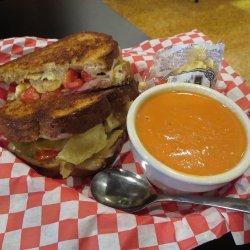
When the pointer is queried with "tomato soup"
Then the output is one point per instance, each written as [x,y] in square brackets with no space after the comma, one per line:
[191,133]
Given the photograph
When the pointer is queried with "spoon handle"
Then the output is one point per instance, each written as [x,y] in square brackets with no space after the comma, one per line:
[226,202]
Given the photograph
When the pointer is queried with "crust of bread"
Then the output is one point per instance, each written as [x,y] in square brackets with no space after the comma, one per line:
[18,121]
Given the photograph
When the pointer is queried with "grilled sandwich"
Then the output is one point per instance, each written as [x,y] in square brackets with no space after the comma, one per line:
[67,115]
[79,62]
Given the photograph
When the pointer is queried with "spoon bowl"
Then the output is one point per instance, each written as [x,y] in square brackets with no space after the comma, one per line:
[130,192]
[121,189]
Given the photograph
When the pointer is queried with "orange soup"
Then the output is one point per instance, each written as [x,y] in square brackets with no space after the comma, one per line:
[191,133]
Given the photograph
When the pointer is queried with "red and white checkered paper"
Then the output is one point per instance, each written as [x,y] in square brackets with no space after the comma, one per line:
[39,212]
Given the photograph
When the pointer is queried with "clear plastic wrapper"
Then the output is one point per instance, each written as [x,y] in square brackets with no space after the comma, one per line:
[191,63]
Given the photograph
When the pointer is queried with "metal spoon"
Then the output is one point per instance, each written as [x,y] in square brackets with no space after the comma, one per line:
[130,192]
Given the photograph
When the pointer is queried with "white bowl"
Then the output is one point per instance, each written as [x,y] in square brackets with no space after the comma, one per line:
[168,179]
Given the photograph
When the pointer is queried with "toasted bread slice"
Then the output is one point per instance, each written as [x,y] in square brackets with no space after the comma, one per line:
[77,113]
[71,113]
[96,53]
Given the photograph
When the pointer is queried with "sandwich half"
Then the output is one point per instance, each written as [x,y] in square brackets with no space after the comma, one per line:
[67,115]
[80,62]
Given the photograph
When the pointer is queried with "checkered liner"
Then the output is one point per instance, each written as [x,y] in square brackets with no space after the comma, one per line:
[36,211]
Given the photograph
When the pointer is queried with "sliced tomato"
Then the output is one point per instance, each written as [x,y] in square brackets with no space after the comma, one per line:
[70,76]
[86,77]
[75,84]
[12,87]
[29,95]
[45,154]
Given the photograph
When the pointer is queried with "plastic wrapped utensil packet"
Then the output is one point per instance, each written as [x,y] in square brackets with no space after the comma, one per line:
[191,63]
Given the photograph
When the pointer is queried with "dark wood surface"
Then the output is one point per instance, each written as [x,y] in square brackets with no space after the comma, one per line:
[56,19]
